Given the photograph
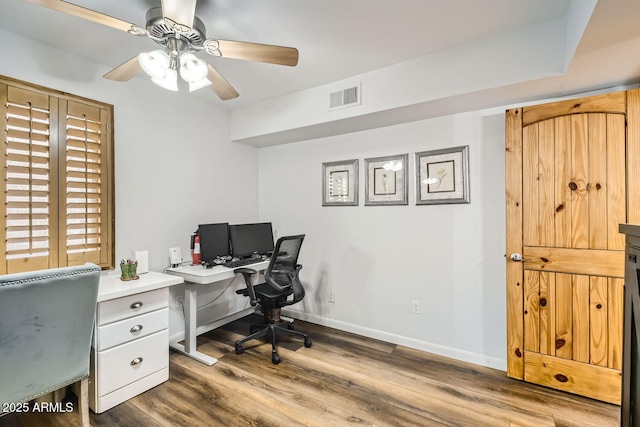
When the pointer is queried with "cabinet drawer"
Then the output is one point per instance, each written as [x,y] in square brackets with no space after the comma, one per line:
[126,330]
[125,393]
[130,362]
[132,305]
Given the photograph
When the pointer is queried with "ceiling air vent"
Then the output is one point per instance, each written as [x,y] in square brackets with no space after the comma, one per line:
[344,98]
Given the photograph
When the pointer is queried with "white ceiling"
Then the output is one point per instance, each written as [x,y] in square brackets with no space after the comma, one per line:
[337,39]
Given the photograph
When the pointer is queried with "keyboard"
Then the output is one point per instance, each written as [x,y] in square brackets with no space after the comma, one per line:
[242,262]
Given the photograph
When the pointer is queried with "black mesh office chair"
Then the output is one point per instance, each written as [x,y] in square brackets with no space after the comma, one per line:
[282,287]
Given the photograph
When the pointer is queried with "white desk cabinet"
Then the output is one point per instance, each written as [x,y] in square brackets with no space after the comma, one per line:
[130,351]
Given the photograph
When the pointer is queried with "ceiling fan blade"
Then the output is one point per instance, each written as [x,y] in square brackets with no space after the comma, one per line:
[219,85]
[84,13]
[180,12]
[258,52]
[124,72]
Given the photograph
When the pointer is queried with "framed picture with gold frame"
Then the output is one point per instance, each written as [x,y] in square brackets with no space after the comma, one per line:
[442,176]
[340,183]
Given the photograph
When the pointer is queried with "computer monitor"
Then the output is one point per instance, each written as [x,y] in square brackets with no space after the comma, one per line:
[214,241]
[249,239]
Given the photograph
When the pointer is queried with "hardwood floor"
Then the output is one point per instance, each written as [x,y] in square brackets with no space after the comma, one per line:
[344,379]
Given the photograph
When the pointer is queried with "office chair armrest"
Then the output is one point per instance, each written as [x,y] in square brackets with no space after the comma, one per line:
[244,271]
[248,273]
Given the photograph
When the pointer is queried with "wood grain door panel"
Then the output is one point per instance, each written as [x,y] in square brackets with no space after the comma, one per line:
[574,317]
[568,375]
[567,190]
[573,181]
[587,261]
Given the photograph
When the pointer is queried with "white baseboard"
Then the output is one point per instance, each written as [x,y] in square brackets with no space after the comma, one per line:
[454,353]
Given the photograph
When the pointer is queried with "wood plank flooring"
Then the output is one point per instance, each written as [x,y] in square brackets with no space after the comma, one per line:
[343,380]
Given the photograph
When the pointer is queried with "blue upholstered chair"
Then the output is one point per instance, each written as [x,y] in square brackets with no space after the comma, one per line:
[46,326]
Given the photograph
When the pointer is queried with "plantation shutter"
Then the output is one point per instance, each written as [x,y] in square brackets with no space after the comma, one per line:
[30,202]
[57,182]
[82,184]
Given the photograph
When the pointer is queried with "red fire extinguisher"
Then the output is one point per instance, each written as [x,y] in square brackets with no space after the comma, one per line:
[195,245]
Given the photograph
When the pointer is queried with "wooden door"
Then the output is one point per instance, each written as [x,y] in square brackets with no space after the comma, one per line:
[571,179]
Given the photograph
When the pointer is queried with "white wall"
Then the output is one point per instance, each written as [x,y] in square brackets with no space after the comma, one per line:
[378,259]
[517,56]
[173,164]
[173,156]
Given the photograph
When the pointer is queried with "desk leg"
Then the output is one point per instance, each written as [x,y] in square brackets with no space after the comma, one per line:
[190,318]
[190,325]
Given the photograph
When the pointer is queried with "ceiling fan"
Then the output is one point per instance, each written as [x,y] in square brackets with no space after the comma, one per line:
[176,28]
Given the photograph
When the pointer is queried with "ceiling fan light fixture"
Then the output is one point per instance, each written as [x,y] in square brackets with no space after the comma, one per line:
[175,26]
[199,85]
[170,80]
[155,63]
[192,69]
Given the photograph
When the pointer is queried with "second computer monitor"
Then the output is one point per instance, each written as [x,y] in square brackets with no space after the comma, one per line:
[249,239]
[214,241]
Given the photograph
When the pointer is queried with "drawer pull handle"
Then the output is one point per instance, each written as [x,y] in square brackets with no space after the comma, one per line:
[136,361]
[135,305]
[136,328]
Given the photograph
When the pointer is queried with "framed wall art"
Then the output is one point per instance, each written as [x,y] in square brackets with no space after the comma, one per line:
[442,176]
[340,183]
[386,180]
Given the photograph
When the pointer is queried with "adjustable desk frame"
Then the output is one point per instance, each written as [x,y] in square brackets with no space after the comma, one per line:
[196,275]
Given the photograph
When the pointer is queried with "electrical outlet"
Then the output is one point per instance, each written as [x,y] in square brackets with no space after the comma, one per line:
[332,296]
[415,306]
[175,258]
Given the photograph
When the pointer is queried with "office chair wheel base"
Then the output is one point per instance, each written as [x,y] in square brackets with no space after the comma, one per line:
[239,349]
[307,342]
[291,327]
[275,358]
